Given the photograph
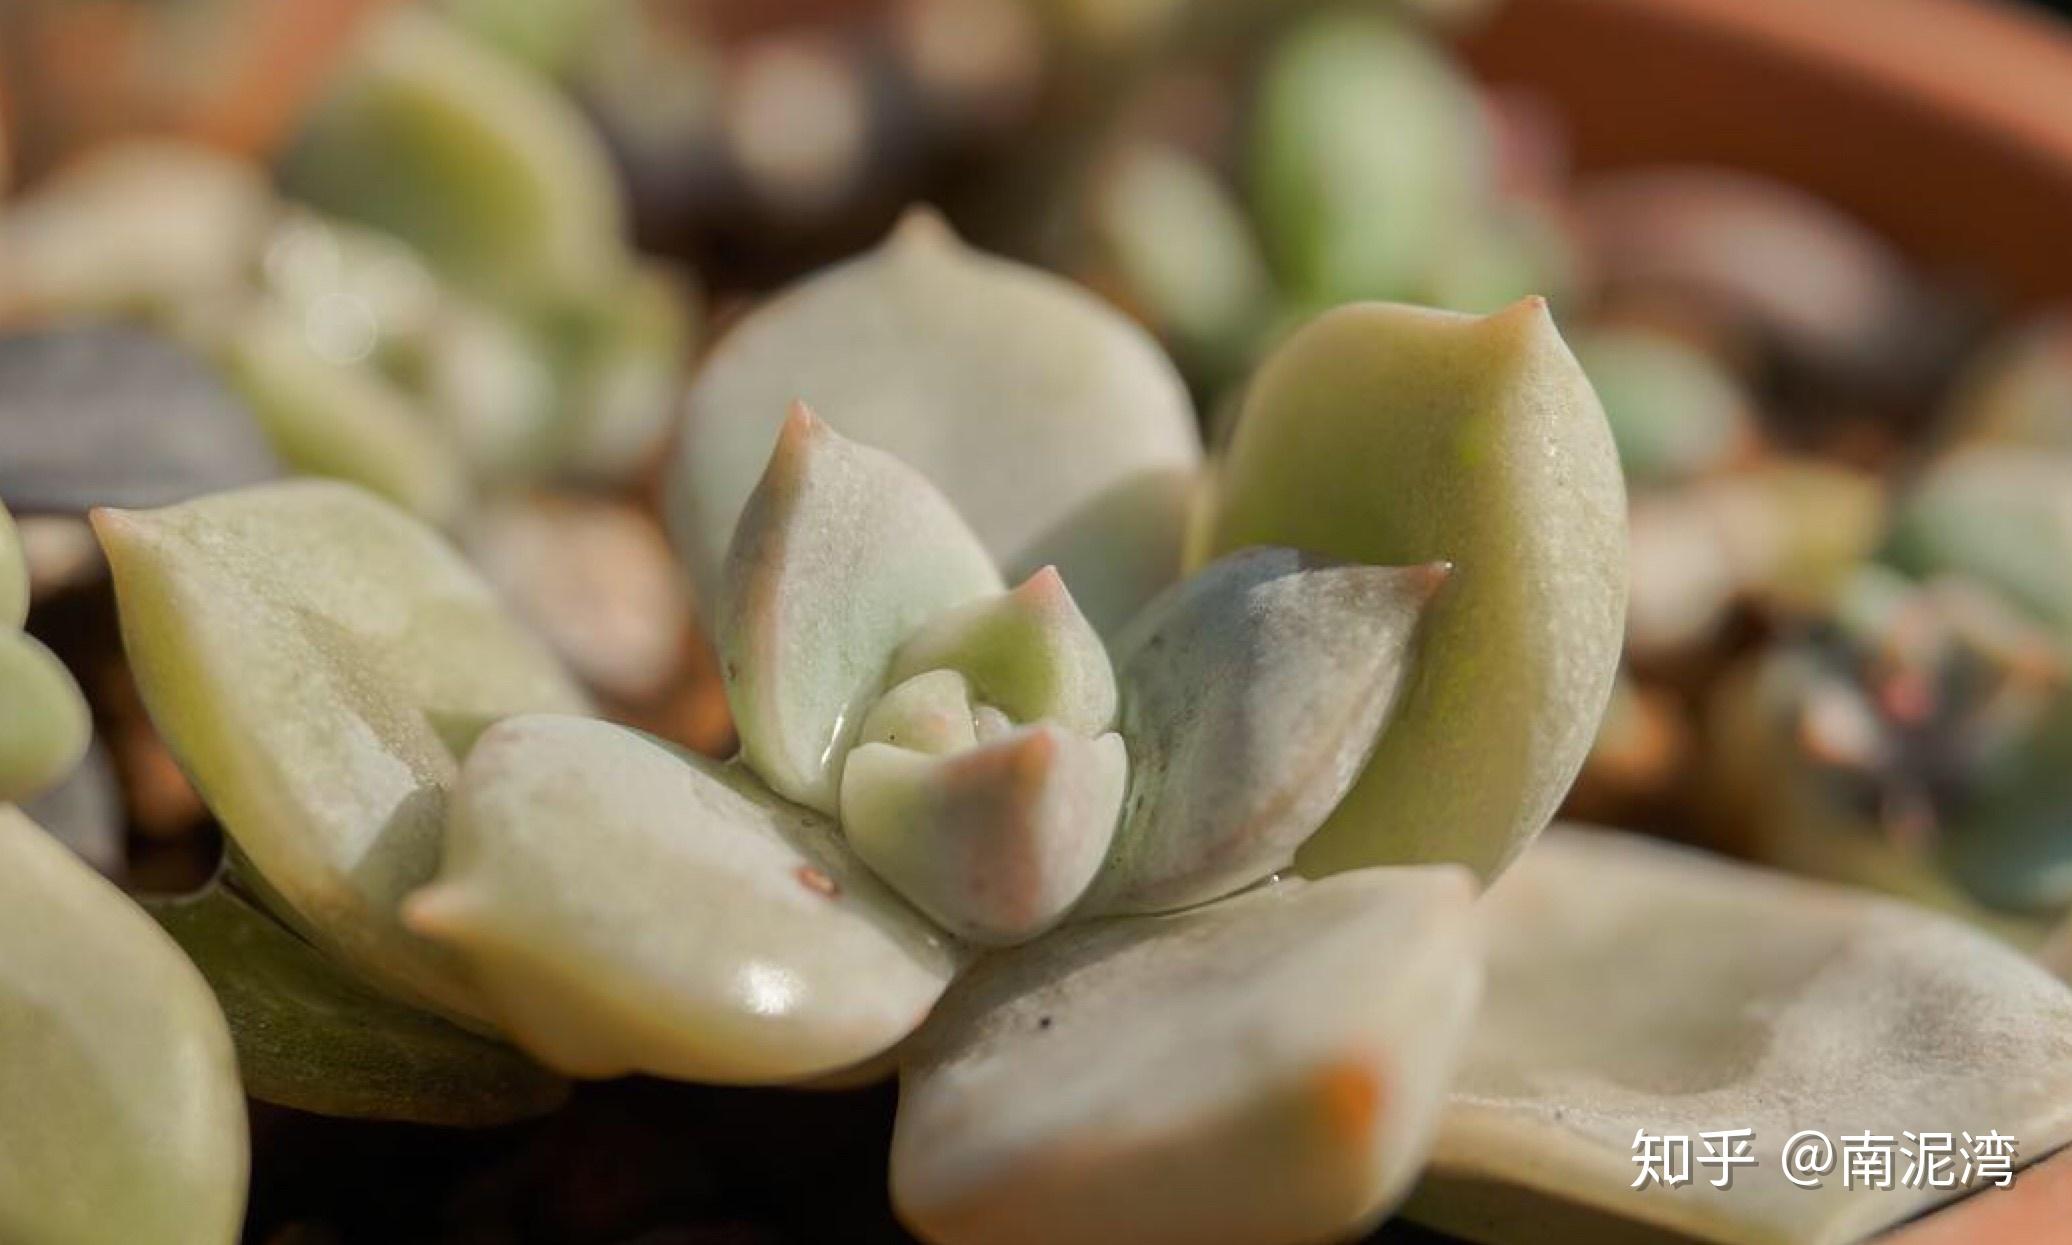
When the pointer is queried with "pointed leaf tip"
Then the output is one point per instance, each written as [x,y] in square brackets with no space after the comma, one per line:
[14,573]
[923,227]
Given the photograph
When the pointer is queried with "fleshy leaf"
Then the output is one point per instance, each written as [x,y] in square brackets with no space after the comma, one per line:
[1170,233]
[310,1037]
[1675,411]
[995,842]
[1029,652]
[141,226]
[1771,260]
[622,353]
[1055,426]
[1638,986]
[1362,120]
[2000,514]
[120,1113]
[484,169]
[1251,1070]
[44,722]
[1767,792]
[14,573]
[628,908]
[343,420]
[1391,435]
[1253,696]
[930,713]
[1784,534]
[843,553]
[314,658]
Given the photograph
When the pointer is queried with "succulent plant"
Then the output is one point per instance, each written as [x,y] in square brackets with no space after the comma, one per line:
[1324,172]
[1916,743]
[464,321]
[1997,514]
[44,724]
[969,829]
[120,1113]
[440,141]
[1675,413]
[1330,206]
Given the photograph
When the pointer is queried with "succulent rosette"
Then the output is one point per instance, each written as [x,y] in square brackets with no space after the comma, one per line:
[1132,810]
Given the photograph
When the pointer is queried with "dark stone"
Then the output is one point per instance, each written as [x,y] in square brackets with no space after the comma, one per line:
[118,416]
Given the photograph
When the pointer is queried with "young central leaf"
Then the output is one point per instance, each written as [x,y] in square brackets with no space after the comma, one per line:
[1030,652]
[842,553]
[315,658]
[988,783]
[995,842]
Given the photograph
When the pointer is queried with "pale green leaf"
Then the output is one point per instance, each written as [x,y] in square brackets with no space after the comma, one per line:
[484,168]
[628,908]
[121,1121]
[315,658]
[341,419]
[1029,652]
[1675,411]
[843,553]
[1392,435]
[1267,1068]
[1369,157]
[930,713]
[1052,423]
[44,721]
[623,352]
[1180,245]
[997,841]
[1635,985]
[2000,514]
